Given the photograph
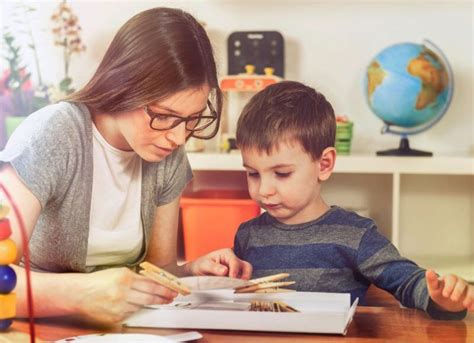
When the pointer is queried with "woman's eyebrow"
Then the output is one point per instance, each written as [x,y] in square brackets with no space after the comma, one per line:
[174,112]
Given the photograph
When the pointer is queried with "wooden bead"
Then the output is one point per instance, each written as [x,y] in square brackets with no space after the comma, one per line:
[5,229]
[4,210]
[8,251]
[7,305]
[5,324]
[7,279]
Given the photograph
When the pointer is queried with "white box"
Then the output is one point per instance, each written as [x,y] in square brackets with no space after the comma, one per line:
[329,313]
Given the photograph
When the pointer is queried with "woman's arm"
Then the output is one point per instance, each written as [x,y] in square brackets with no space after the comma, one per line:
[106,296]
[163,250]
[26,203]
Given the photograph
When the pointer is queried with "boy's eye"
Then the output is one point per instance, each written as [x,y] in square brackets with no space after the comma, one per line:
[282,175]
[252,174]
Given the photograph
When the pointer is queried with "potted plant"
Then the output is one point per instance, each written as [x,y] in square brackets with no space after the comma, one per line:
[66,33]
[18,97]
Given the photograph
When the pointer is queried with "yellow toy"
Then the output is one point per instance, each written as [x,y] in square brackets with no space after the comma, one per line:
[8,253]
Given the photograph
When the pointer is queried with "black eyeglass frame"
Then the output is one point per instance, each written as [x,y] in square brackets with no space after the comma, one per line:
[179,120]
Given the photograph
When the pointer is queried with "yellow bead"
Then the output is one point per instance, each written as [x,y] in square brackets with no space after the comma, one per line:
[8,251]
[3,211]
[7,305]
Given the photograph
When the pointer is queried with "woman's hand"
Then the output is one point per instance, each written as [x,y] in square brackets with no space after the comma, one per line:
[221,262]
[450,293]
[109,296]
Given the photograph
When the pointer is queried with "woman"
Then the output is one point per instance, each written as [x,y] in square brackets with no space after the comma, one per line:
[98,177]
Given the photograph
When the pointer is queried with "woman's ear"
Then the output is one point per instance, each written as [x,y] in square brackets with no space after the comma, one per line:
[326,163]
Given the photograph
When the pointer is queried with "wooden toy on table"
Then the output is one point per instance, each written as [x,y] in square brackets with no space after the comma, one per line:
[8,253]
[267,284]
[164,278]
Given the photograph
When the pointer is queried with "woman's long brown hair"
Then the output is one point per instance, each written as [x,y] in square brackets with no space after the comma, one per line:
[155,54]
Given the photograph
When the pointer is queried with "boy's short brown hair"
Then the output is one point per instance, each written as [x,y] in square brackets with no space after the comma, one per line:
[287,111]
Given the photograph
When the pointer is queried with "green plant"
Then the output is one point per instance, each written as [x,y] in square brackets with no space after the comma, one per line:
[17,78]
[18,97]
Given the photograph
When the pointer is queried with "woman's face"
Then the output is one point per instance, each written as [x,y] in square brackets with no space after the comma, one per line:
[153,145]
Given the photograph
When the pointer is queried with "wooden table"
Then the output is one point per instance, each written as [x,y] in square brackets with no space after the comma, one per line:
[369,323]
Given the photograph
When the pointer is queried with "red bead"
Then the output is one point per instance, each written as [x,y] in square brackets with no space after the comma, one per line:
[5,229]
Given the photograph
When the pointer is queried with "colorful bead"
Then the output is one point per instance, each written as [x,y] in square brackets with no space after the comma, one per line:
[7,279]
[7,305]
[4,210]
[5,324]
[8,251]
[5,230]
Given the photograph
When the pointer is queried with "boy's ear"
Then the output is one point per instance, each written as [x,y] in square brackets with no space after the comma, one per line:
[326,163]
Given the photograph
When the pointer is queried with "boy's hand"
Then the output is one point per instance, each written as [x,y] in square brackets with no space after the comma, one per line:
[451,293]
[221,262]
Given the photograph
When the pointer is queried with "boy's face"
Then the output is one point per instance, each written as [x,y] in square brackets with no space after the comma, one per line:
[285,182]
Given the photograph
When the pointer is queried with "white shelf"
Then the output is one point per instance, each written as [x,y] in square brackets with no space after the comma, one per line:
[215,161]
[448,265]
[425,205]
[367,164]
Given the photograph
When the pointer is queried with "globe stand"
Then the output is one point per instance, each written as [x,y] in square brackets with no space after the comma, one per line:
[404,150]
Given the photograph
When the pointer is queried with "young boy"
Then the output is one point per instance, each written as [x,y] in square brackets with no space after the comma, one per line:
[286,135]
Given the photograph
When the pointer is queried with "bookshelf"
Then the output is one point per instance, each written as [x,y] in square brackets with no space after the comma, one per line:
[424,205]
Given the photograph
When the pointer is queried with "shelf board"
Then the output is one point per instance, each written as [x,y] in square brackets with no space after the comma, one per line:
[357,163]
[215,161]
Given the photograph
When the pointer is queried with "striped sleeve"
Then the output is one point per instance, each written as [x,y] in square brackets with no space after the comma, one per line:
[380,262]
[240,242]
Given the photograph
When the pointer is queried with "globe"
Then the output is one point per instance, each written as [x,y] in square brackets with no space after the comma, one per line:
[409,86]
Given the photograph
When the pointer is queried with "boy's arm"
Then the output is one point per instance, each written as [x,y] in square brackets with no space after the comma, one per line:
[449,293]
[380,262]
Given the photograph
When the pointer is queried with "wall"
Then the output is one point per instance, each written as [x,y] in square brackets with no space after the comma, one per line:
[328,45]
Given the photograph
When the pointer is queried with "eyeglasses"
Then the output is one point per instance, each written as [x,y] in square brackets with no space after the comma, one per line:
[194,124]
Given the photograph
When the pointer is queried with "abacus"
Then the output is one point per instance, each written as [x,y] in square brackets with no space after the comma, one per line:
[8,254]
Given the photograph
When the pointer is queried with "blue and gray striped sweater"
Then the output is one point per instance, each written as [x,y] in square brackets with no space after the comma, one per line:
[339,252]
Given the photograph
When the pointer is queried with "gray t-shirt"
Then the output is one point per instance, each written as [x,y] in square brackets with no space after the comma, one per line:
[52,154]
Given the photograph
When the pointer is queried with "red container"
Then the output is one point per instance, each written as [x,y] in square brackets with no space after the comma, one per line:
[211,219]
